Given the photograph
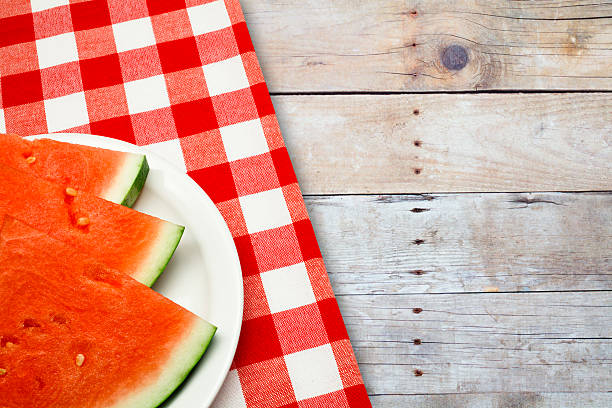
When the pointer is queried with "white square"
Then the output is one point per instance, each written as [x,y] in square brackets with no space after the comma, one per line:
[264,211]
[171,151]
[230,394]
[2,122]
[146,94]
[208,17]
[244,139]
[40,5]
[66,112]
[225,76]
[57,50]
[313,372]
[133,34]
[288,288]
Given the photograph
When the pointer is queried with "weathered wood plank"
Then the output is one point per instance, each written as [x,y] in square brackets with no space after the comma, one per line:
[482,343]
[449,143]
[465,242]
[497,400]
[388,45]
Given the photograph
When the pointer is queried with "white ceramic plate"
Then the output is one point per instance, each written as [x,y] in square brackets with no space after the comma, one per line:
[204,274]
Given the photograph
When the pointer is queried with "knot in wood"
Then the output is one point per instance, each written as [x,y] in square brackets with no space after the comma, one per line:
[455,57]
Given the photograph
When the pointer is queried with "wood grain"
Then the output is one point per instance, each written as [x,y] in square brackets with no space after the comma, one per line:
[482,343]
[449,143]
[409,244]
[497,400]
[388,45]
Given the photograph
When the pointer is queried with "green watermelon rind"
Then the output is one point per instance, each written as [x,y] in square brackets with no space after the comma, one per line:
[129,181]
[161,254]
[180,364]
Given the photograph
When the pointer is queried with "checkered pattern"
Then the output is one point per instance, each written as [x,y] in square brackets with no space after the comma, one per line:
[181,77]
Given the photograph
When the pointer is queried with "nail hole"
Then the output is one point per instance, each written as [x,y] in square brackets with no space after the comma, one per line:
[416,112]
[419,210]
[417,310]
[418,372]
[414,13]
[418,272]
[418,241]
[418,171]
[417,342]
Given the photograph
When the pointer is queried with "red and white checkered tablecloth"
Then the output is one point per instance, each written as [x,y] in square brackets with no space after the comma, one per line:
[182,78]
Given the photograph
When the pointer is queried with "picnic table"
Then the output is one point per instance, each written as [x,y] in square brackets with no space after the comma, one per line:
[456,160]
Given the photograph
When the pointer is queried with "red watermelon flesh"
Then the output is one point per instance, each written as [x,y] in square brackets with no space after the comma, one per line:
[75,333]
[129,241]
[115,176]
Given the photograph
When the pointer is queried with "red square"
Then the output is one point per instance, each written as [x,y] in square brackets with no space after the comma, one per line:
[117,128]
[347,364]
[187,85]
[61,80]
[234,11]
[203,149]
[258,342]
[234,107]
[179,54]
[300,328]
[254,174]
[154,126]
[308,241]
[255,301]
[217,45]
[243,38]
[357,397]
[336,399]
[244,246]
[52,22]
[140,63]
[21,88]
[101,71]
[251,67]
[16,29]
[295,202]
[334,325]
[283,166]
[164,6]
[28,119]
[276,248]
[232,214]
[90,14]
[318,279]
[262,99]
[14,8]
[266,384]
[171,26]
[119,12]
[106,103]
[217,181]
[96,42]
[194,117]
[272,132]
[18,58]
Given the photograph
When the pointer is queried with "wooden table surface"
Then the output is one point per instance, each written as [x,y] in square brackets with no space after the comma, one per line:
[456,159]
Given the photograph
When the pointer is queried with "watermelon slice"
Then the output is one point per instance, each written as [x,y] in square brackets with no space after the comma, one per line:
[114,176]
[75,333]
[127,240]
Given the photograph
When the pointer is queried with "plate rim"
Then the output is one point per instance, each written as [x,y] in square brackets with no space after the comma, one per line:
[133,148]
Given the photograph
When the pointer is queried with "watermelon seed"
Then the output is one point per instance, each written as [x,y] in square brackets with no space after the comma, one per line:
[71,192]
[2,372]
[31,160]
[80,359]
[27,323]
[83,221]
